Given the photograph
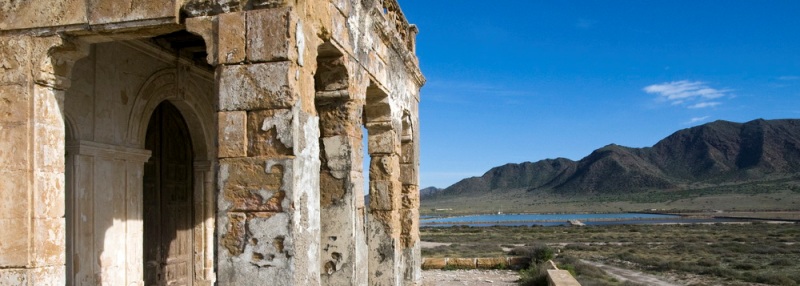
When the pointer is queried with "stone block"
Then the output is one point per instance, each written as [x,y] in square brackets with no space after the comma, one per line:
[339,118]
[47,242]
[14,139]
[245,181]
[410,201]
[206,27]
[561,278]
[409,222]
[270,35]
[462,263]
[47,106]
[491,263]
[48,197]
[114,11]
[331,189]
[14,104]
[340,155]
[434,263]
[14,241]
[408,174]
[407,153]
[383,142]
[252,200]
[14,197]
[257,86]
[269,133]
[383,225]
[49,148]
[15,62]
[36,14]
[384,168]
[232,37]
[232,134]
[48,276]
[385,195]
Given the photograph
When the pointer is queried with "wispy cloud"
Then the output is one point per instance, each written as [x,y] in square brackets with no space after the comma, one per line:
[696,119]
[789,77]
[705,104]
[692,94]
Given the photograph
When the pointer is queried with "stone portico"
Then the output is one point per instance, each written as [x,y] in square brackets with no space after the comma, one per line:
[205,142]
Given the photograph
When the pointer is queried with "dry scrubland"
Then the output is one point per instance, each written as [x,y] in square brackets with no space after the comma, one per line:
[700,254]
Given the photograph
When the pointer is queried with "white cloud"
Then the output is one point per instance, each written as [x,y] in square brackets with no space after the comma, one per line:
[692,94]
[789,77]
[705,104]
[696,119]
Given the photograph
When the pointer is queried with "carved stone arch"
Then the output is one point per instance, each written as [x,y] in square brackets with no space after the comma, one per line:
[193,106]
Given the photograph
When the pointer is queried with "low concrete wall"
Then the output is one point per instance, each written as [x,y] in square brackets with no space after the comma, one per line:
[475,263]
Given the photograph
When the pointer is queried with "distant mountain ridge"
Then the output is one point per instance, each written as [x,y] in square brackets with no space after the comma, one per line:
[713,153]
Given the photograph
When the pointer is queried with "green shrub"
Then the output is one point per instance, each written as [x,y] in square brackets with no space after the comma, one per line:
[536,253]
[535,275]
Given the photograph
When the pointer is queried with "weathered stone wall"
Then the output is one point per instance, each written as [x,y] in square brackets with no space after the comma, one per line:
[291,82]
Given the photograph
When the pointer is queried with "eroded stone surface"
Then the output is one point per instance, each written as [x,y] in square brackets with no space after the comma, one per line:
[257,86]
[291,83]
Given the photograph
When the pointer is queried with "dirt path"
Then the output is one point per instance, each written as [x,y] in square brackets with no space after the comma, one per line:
[469,277]
[622,274]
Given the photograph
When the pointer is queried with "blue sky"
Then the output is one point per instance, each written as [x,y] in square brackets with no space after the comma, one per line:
[529,80]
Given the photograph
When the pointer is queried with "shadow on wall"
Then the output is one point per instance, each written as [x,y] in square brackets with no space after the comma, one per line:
[138,168]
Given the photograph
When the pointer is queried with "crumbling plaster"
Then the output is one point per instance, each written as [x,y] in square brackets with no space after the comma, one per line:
[263,93]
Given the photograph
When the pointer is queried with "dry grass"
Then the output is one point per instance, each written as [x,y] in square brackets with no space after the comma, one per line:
[729,254]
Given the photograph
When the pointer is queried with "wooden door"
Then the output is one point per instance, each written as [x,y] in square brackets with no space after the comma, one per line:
[168,200]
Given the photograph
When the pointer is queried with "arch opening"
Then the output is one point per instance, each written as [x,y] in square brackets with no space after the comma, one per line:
[167,199]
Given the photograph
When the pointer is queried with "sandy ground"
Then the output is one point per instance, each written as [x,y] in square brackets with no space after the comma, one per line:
[468,277]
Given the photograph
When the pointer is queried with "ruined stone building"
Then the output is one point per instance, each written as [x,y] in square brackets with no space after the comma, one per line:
[200,142]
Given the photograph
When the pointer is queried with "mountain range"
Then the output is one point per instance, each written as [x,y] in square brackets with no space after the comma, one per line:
[720,152]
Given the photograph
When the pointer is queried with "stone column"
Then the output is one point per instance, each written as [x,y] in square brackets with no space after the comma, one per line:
[409,213]
[383,218]
[32,242]
[268,204]
[343,261]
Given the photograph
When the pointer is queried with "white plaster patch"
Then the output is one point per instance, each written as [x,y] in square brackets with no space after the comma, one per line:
[224,173]
[301,43]
[338,153]
[282,122]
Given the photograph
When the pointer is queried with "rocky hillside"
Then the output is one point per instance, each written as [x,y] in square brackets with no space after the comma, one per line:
[709,154]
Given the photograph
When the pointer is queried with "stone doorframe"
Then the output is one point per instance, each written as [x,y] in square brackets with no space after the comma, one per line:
[164,85]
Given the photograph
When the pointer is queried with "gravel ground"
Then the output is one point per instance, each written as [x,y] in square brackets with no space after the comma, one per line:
[468,277]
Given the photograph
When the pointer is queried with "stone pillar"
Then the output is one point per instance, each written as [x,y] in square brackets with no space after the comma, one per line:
[409,213]
[105,198]
[32,242]
[268,204]
[383,218]
[343,253]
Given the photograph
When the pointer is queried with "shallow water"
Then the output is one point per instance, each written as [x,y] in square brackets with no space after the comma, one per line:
[560,219]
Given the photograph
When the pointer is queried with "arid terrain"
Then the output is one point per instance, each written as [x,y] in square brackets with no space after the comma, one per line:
[695,254]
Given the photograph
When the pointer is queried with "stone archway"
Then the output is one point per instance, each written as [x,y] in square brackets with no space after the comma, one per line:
[167,199]
[111,103]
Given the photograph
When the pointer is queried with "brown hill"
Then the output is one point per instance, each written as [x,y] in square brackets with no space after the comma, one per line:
[715,153]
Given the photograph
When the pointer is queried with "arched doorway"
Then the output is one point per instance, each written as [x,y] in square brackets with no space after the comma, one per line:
[167,199]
